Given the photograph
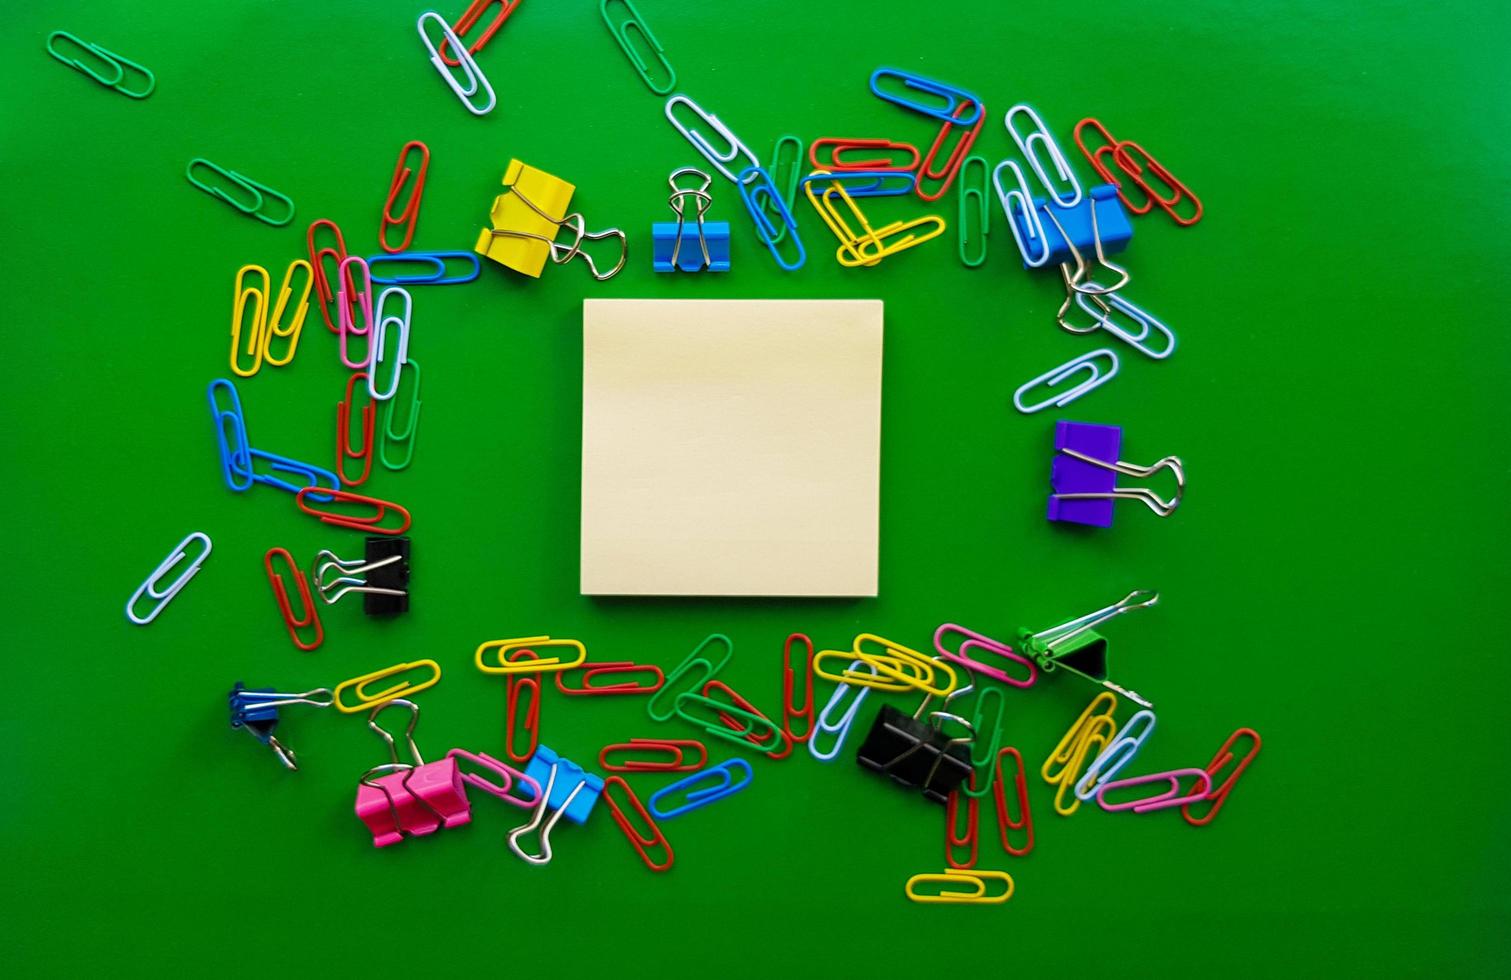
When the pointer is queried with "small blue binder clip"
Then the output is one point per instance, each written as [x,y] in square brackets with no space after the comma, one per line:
[953,97]
[678,247]
[257,713]
[569,775]
[1112,225]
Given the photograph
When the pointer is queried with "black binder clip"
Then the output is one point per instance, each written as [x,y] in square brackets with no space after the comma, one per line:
[382,576]
[918,753]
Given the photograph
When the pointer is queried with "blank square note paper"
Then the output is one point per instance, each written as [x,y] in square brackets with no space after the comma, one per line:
[730,447]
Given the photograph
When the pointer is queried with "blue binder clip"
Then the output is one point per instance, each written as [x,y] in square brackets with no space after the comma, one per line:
[569,775]
[257,713]
[678,247]
[1056,223]
[953,97]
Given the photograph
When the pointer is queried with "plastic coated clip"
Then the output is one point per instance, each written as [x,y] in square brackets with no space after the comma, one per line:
[116,80]
[435,260]
[641,841]
[957,877]
[259,192]
[621,32]
[537,664]
[971,640]
[838,728]
[410,216]
[953,98]
[672,747]
[1218,794]
[403,689]
[760,193]
[1059,399]
[471,16]
[721,159]
[473,80]
[162,596]
[697,795]
[589,671]
[310,617]
[368,524]
[1162,801]
[693,660]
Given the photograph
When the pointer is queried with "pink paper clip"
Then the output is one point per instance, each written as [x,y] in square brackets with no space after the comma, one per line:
[1170,797]
[509,778]
[363,298]
[973,640]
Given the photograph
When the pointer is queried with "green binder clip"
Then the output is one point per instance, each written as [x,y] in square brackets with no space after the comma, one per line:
[1075,647]
[257,194]
[115,75]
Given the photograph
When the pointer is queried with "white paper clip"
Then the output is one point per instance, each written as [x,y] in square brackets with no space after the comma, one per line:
[736,148]
[1053,377]
[471,73]
[1025,202]
[163,596]
[1038,138]
[382,323]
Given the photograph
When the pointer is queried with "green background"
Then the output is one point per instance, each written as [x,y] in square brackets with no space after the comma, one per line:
[1336,578]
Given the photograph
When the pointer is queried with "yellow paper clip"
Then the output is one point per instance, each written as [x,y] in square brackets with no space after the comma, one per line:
[291,332]
[528,230]
[953,877]
[861,679]
[538,666]
[258,295]
[919,671]
[869,246]
[1093,730]
[403,689]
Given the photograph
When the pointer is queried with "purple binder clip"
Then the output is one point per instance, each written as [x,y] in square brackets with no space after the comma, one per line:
[1083,476]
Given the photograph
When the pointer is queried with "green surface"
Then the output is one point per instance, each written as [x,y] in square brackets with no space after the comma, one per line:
[1336,578]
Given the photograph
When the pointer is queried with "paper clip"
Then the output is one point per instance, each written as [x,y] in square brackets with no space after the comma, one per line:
[411,214]
[324,293]
[868,183]
[709,668]
[235,450]
[310,617]
[1145,323]
[1162,801]
[672,747]
[162,596]
[1218,794]
[368,524]
[1017,202]
[1005,822]
[915,671]
[1094,157]
[402,689]
[401,437]
[539,818]
[1052,377]
[537,664]
[1093,729]
[971,640]
[640,840]
[840,728]
[349,296]
[1073,646]
[471,16]
[510,778]
[789,685]
[322,483]
[473,79]
[513,685]
[259,192]
[344,449]
[256,713]
[697,795]
[953,98]
[1125,164]
[1029,143]
[275,327]
[986,723]
[1086,467]
[380,576]
[757,195]
[258,296]
[839,147]
[383,324]
[743,707]
[435,260]
[621,31]
[870,245]
[952,876]
[116,79]
[719,159]
[894,652]
[785,169]
[966,139]
[733,721]
[589,671]
[971,838]
[1114,758]
[973,204]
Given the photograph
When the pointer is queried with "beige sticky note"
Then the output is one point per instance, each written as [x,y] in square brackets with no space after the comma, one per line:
[731,447]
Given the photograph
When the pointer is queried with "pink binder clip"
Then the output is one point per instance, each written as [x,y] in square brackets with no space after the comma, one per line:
[1170,797]
[973,640]
[398,800]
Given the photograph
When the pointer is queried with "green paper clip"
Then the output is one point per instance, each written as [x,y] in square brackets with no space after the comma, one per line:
[970,193]
[1073,645]
[259,192]
[675,674]
[118,82]
[621,32]
[406,438]
[981,725]
[786,187]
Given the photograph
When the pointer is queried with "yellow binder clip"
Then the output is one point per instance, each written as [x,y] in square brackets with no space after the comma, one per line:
[913,671]
[403,689]
[871,245]
[1090,733]
[977,896]
[532,207]
[540,665]
[907,665]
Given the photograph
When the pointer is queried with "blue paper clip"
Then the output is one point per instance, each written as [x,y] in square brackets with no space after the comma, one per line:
[875,182]
[1116,756]
[1055,223]
[436,260]
[235,450]
[702,797]
[306,475]
[564,791]
[841,728]
[953,97]
[753,192]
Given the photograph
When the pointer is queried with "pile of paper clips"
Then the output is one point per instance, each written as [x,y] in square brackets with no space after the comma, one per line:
[951,754]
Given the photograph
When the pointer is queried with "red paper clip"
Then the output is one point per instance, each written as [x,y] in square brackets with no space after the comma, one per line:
[470,17]
[1218,795]
[1122,153]
[638,840]
[513,684]
[401,174]
[789,681]
[842,146]
[327,295]
[344,449]
[311,615]
[589,671]
[957,156]
[671,746]
[368,524]
[972,821]
[1005,821]
[734,724]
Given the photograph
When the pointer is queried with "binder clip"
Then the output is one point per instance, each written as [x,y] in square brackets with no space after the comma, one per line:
[257,713]
[573,790]
[918,753]
[382,576]
[1096,223]
[1073,645]
[674,249]
[397,800]
[526,218]
[1084,476]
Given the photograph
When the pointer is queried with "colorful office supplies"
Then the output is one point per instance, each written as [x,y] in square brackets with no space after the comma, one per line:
[536,664]
[275,327]
[514,687]
[674,247]
[732,718]
[1172,796]
[472,80]
[915,753]
[404,436]
[1092,731]
[573,789]
[510,785]
[977,895]
[1034,138]
[1095,223]
[838,727]
[378,266]
[352,299]
[1096,377]
[785,168]
[1122,153]
[759,193]
[803,710]
[693,661]
[946,102]
[257,195]
[973,208]
[1217,795]
[720,158]
[526,218]
[1073,646]
[371,523]
[586,672]
[381,576]
[646,752]
[241,296]
[388,323]
[642,841]
[1116,755]
[309,618]
[470,17]
[318,255]
[320,482]
[410,215]
[114,75]
[931,675]
[160,594]
[256,712]
[409,799]
[1084,472]
[1022,215]
[953,838]
[1102,307]
[621,29]
[841,151]
[726,779]
[538,822]
[403,689]
[363,450]
[868,246]
[986,724]
[964,136]
[971,641]
[231,436]
[1005,821]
